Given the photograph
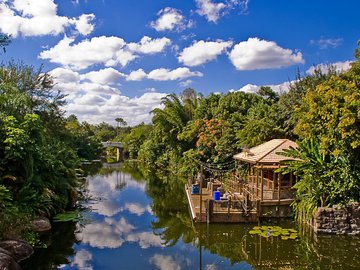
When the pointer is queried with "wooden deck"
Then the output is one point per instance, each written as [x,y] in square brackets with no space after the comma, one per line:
[234,210]
[225,211]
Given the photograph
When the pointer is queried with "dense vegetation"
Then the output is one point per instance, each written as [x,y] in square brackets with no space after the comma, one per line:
[40,148]
[321,111]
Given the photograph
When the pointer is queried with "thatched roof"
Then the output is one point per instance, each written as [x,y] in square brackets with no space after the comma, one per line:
[266,153]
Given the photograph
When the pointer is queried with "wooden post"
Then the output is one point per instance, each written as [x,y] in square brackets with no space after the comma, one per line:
[257,183]
[201,184]
[252,181]
[279,186]
[262,184]
[274,179]
[210,208]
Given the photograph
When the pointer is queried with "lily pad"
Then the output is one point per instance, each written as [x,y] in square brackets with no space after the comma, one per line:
[274,231]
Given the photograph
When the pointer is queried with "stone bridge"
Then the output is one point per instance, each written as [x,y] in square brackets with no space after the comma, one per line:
[119,148]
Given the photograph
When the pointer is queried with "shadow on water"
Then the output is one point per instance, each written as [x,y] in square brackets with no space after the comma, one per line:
[197,246]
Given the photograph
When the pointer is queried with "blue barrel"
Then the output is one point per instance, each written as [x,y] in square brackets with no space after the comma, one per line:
[195,189]
[217,195]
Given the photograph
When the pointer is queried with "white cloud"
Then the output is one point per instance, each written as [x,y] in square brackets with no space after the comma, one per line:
[39,18]
[174,262]
[145,239]
[212,11]
[136,75]
[339,67]
[103,76]
[261,54]
[201,52]
[82,260]
[96,101]
[185,83]
[324,43]
[170,19]
[253,88]
[163,262]
[110,51]
[163,74]
[107,234]
[137,209]
[148,45]
[83,24]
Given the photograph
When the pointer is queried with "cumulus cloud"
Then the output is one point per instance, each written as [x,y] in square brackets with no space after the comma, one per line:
[82,260]
[201,52]
[107,234]
[110,51]
[338,66]
[261,54]
[185,83]
[170,19]
[103,76]
[39,18]
[148,45]
[137,209]
[95,98]
[253,88]
[145,239]
[163,74]
[213,11]
[164,262]
[325,43]
[136,75]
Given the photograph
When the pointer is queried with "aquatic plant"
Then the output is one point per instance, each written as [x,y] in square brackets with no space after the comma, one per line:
[274,231]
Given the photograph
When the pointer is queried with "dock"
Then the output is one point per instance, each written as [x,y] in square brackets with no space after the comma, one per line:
[205,209]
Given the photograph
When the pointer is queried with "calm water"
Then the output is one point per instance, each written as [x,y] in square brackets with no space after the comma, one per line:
[136,224]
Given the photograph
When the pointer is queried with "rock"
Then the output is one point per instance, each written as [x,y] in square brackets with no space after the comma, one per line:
[73,197]
[41,225]
[20,250]
[7,262]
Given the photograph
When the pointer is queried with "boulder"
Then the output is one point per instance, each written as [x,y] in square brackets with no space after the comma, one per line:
[19,250]
[41,225]
[7,262]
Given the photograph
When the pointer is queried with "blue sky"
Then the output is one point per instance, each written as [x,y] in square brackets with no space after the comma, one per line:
[118,58]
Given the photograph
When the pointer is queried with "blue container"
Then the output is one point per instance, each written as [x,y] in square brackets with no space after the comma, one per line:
[217,195]
[195,189]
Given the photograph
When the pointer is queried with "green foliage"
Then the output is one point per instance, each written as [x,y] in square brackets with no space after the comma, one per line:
[332,112]
[135,139]
[325,179]
[4,41]
[38,152]
[274,231]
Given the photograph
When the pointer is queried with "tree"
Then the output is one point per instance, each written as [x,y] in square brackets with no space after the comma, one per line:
[325,179]
[4,41]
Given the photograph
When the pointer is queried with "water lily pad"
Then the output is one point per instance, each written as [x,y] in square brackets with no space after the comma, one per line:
[274,231]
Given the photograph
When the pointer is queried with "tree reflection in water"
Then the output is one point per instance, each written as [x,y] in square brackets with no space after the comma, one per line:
[233,242]
[214,246]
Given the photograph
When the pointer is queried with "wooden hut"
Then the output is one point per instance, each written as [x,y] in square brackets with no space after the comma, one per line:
[261,182]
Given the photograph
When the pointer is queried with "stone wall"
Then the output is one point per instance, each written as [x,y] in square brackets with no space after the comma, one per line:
[337,220]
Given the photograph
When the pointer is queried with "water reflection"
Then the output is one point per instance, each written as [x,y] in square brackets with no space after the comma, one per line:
[138,224]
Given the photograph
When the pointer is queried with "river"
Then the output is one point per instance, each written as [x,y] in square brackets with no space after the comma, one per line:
[133,223]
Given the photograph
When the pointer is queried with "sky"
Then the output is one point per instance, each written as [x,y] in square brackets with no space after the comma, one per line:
[117,58]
